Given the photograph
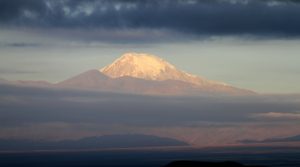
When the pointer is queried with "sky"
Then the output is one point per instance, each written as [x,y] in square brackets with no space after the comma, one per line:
[249,44]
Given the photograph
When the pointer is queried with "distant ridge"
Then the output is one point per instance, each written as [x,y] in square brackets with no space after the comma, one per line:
[88,79]
[274,140]
[207,164]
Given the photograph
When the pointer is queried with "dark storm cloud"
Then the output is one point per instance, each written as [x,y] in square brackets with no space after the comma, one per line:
[25,105]
[194,17]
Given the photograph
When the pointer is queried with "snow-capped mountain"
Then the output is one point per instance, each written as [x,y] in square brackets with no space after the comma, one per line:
[150,67]
[146,74]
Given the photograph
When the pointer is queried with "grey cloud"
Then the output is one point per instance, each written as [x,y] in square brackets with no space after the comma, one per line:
[262,18]
[278,115]
[14,9]
[19,44]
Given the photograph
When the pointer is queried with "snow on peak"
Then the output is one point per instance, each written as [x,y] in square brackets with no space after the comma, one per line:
[139,65]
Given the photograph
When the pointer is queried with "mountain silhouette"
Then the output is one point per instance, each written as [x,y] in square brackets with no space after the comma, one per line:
[140,73]
[95,142]
[274,140]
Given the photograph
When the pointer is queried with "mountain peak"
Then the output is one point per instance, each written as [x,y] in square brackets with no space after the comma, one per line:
[138,65]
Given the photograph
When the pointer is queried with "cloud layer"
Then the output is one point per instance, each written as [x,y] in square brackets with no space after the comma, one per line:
[30,105]
[127,19]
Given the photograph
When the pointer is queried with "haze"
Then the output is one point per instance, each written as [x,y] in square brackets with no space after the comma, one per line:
[247,51]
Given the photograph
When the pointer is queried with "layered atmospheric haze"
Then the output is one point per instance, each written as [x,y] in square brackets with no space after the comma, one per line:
[174,76]
[142,93]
